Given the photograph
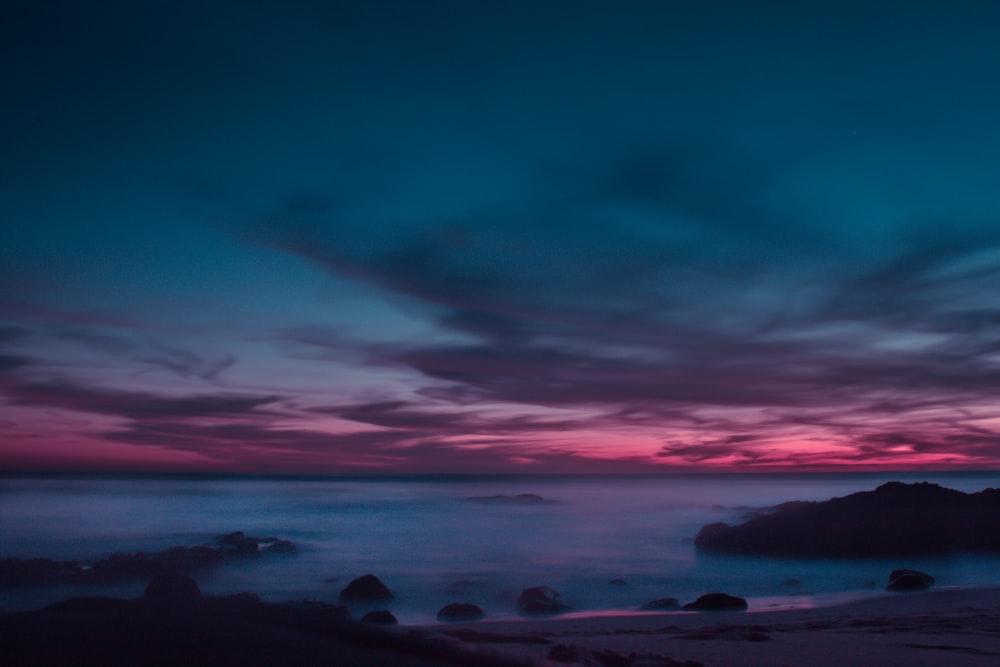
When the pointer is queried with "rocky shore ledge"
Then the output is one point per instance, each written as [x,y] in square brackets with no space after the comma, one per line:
[894,520]
[117,567]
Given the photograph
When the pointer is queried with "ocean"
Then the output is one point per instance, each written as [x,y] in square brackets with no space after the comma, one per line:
[431,545]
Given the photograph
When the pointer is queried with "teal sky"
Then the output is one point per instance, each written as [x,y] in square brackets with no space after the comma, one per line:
[499,237]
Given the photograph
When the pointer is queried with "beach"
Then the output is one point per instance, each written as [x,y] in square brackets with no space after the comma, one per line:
[955,627]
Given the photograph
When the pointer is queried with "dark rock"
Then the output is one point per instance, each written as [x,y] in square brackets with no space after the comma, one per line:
[617,582]
[909,580]
[520,499]
[245,597]
[460,611]
[366,588]
[661,604]
[658,660]
[540,600]
[380,617]
[116,567]
[792,583]
[895,519]
[717,602]
[172,587]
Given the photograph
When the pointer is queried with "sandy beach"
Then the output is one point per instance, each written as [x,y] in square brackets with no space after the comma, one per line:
[955,627]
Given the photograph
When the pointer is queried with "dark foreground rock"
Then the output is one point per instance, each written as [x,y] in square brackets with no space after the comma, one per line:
[118,567]
[540,601]
[895,519]
[213,632]
[460,611]
[909,580]
[717,602]
[366,588]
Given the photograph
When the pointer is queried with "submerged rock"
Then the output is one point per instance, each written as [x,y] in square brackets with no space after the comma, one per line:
[33,571]
[460,611]
[717,602]
[540,600]
[895,519]
[366,588]
[909,580]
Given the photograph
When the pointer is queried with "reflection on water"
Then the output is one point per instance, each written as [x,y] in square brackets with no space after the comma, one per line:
[422,536]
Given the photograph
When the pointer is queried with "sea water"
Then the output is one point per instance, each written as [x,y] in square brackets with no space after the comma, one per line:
[607,543]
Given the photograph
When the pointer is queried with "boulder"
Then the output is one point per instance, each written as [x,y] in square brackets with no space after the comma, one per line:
[909,580]
[661,604]
[460,611]
[379,617]
[540,600]
[717,602]
[172,587]
[366,588]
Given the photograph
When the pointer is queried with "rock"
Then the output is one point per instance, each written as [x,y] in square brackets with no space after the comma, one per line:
[617,582]
[717,602]
[895,519]
[540,600]
[172,587]
[909,580]
[791,583]
[239,542]
[661,604]
[380,617]
[460,611]
[245,597]
[366,588]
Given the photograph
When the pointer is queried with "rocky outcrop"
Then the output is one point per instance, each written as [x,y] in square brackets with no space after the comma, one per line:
[116,567]
[460,611]
[716,602]
[366,588]
[909,580]
[540,601]
[895,519]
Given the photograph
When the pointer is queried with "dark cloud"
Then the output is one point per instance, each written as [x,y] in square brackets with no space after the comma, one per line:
[134,405]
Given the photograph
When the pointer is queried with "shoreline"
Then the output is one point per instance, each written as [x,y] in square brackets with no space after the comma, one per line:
[957,626]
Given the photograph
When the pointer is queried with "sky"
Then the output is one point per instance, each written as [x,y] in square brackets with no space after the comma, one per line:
[467,237]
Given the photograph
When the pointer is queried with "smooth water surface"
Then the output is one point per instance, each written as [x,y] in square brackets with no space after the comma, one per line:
[431,545]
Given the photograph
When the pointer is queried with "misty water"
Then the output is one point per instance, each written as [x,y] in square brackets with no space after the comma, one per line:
[432,545]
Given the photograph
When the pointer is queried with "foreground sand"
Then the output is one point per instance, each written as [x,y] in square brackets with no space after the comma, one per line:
[947,627]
